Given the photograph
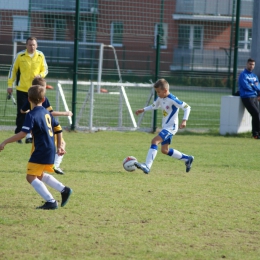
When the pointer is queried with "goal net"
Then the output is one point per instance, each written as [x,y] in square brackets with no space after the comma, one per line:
[111,107]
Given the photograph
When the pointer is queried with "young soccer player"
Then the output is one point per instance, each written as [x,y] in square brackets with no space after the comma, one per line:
[43,126]
[170,106]
[27,107]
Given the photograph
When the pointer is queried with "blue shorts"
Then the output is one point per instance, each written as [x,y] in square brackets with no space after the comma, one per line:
[166,137]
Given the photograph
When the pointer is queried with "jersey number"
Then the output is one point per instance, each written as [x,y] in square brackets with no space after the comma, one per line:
[48,122]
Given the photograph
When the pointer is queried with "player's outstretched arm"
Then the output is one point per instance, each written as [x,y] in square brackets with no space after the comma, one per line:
[12,139]
[61,113]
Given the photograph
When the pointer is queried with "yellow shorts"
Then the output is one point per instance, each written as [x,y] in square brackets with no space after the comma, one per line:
[38,169]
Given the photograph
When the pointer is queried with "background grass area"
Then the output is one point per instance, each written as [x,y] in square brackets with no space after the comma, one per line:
[211,213]
[205,104]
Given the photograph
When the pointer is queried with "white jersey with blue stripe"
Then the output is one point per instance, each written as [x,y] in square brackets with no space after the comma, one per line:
[170,106]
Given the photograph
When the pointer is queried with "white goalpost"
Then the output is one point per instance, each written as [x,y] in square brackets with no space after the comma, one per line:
[91,104]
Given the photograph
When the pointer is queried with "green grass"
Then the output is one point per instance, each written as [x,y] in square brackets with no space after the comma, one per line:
[205,104]
[211,213]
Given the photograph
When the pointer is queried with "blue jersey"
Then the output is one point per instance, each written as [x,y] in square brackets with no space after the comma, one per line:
[46,104]
[43,126]
[248,84]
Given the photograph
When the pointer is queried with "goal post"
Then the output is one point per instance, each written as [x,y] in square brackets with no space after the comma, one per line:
[112,110]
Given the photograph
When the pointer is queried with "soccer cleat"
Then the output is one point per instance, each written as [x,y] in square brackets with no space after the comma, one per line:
[188,163]
[58,170]
[19,141]
[142,166]
[28,140]
[49,205]
[65,194]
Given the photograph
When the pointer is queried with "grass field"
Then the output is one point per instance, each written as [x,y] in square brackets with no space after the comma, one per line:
[211,213]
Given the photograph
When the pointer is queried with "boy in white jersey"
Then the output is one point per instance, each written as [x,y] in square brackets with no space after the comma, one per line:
[170,106]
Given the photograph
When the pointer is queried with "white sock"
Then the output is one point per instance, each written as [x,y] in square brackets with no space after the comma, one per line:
[58,160]
[42,190]
[178,155]
[152,152]
[28,135]
[52,182]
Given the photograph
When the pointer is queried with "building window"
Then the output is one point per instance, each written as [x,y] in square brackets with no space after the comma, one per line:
[245,37]
[162,30]
[20,28]
[190,36]
[59,30]
[117,34]
[86,33]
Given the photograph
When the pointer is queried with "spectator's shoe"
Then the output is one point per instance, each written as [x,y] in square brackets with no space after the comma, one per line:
[142,166]
[188,163]
[58,170]
[28,140]
[19,141]
[65,194]
[49,205]
[256,136]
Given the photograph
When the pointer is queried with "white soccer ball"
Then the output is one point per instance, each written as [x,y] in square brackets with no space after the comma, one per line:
[128,163]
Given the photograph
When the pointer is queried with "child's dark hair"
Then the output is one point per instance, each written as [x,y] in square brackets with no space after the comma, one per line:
[39,81]
[161,83]
[36,94]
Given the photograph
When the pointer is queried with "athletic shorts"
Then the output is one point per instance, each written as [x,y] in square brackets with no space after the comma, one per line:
[166,137]
[38,169]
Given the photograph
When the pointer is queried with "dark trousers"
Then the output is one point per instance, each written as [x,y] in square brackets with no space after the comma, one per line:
[21,97]
[251,104]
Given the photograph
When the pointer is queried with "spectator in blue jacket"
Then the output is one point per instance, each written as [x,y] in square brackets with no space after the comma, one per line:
[249,89]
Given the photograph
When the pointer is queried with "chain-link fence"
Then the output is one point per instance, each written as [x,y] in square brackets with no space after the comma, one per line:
[196,47]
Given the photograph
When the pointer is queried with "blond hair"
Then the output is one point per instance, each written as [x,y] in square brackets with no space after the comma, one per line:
[162,84]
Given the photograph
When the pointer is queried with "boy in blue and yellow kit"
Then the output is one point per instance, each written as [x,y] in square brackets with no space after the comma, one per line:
[43,127]
[46,104]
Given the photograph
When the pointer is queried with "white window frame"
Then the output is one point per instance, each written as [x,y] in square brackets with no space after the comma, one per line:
[55,29]
[112,35]
[165,35]
[191,36]
[20,27]
[246,41]
[84,31]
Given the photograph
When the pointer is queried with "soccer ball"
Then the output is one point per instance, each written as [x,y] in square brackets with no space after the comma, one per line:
[128,163]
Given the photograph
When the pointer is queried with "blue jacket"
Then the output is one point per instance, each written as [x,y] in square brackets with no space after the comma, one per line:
[248,84]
